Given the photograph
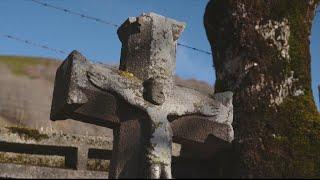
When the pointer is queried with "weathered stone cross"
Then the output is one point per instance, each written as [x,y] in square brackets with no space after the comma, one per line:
[140,101]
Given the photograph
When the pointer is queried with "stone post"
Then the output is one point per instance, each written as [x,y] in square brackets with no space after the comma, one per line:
[261,53]
[149,52]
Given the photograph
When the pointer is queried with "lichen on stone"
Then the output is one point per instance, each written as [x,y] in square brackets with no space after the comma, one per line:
[126,74]
[98,165]
[283,89]
[31,134]
[281,104]
[32,159]
[277,34]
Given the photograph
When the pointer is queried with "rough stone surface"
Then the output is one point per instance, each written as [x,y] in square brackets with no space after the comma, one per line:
[278,34]
[142,131]
[157,66]
[36,172]
[261,53]
[154,91]
[184,101]
[149,50]
[75,148]
[126,134]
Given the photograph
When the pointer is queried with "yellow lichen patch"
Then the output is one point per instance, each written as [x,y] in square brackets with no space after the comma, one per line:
[126,74]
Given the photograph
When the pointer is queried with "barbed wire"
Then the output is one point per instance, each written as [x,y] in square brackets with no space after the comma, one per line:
[99,20]
[193,48]
[34,44]
[31,43]
[75,13]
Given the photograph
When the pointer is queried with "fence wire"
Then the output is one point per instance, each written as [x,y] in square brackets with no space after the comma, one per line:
[99,20]
[34,44]
[75,13]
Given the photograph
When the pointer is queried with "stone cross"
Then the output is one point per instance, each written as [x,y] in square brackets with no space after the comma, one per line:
[140,101]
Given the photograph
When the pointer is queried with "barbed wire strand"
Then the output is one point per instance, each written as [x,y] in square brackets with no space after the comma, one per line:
[31,43]
[65,10]
[193,48]
[75,13]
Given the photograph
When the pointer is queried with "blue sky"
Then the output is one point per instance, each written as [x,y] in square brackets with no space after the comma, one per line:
[25,19]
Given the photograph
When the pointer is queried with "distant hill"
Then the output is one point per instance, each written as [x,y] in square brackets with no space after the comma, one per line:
[26,85]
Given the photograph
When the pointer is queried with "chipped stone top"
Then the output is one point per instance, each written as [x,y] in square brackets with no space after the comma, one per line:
[149,48]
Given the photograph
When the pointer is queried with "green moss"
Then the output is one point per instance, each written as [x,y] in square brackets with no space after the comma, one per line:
[27,133]
[18,64]
[31,159]
[297,146]
[218,85]
[157,125]
[98,165]
[294,151]
[281,138]
[298,119]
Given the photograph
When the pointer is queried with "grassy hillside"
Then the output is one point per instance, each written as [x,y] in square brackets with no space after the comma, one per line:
[18,64]
[32,67]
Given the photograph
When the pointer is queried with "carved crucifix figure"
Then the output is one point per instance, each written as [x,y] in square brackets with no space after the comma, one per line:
[145,82]
[148,51]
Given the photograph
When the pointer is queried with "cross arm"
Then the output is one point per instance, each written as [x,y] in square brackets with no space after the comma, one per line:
[184,101]
[89,92]
[74,97]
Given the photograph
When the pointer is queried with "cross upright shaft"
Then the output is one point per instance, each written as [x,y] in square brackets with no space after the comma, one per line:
[149,51]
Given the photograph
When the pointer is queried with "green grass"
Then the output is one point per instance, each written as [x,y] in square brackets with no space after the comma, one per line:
[32,159]
[17,64]
[28,133]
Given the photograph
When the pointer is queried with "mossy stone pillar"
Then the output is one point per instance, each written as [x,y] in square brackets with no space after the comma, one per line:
[261,53]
